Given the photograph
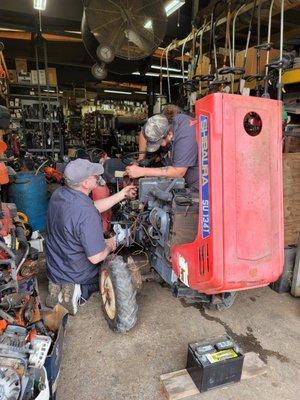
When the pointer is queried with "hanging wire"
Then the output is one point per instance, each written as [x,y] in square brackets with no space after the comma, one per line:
[233,33]
[268,49]
[161,73]
[168,72]
[279,88]
[182,58]
[249,33]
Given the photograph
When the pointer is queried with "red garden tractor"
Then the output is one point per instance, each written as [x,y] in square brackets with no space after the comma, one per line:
[205,245]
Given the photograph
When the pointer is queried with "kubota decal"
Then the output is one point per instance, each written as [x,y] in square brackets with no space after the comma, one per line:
[205,200]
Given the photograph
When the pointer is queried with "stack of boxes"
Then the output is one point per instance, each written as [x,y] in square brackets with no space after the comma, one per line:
[21,74]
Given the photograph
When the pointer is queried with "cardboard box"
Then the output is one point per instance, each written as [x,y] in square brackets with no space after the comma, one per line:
[53,360]
[12,76]
[21,65]
[250,67]
[52,76]
[38,75]
[34,77]
[71,152]
[203,67]
[42,77]
[24,77]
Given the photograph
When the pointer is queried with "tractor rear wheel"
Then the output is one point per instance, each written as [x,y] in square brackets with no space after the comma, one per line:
[118,295]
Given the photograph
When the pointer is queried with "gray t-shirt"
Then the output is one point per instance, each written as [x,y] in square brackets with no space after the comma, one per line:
[74,232]
[185,149]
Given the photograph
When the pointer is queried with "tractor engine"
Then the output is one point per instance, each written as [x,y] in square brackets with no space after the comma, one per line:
[166,213]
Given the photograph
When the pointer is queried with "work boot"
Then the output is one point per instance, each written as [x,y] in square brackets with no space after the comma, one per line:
[70,297]
[53,296]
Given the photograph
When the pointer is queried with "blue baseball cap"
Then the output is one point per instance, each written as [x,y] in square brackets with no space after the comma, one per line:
[80,169]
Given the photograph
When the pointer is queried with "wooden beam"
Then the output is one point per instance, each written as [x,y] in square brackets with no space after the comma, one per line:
[16,35]
[122,85]
[287,35]
[289,4]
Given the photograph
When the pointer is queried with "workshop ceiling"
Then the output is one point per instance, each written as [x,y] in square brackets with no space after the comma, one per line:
[63,18]
[66,52]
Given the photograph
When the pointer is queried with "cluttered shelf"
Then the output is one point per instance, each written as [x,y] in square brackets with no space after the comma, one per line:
[53,95]
[54,121]
[31,85]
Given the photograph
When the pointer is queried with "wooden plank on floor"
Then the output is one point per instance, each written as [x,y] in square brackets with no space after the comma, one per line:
[179,385]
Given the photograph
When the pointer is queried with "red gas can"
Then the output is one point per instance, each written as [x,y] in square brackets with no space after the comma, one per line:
[102,192]
[240,235]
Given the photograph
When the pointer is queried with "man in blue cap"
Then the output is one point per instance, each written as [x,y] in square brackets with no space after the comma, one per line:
[75,244]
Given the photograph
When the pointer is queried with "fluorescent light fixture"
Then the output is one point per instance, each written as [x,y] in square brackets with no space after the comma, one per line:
[74,32]
[116,91]
[49,91]
[173,6]
[39,5]
[166,69]
[174,76]
[148,25]
[11,30]
[164,75]
[152,74]
[157,74]
[140,92]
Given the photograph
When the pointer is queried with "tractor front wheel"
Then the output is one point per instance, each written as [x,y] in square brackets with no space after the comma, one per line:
[222,301]
[118,294]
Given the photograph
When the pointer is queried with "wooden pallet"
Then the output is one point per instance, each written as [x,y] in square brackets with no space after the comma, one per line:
[179,385]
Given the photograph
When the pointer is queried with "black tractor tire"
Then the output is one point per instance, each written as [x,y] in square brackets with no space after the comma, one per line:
[226,300]
[117,294]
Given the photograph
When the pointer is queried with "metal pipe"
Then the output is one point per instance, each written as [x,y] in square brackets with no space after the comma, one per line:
[279,85]
[161,72]
[168,73]
[265,94]
[182,58]
[233,33]
[249,33]
[257,86]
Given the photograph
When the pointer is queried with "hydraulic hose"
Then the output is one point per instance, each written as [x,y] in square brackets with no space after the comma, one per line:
[22,238]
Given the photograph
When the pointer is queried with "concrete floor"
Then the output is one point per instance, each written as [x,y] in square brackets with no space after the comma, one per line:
[98,364]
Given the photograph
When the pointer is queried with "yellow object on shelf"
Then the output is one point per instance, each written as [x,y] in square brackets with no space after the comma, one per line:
[291,76]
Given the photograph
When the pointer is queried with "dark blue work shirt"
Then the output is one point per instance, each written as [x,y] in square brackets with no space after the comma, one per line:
[74,233]
[185,149]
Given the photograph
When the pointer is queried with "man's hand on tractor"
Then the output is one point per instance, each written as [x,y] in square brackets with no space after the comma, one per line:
[129,192]
[134,171]
[111,244]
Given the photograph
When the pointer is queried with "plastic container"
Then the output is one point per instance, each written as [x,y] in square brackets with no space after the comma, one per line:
[29,193]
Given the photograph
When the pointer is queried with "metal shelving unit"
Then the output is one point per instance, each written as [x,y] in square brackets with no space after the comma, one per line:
[41,116]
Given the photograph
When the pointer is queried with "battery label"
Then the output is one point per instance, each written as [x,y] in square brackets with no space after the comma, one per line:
[221,355]
[205,194]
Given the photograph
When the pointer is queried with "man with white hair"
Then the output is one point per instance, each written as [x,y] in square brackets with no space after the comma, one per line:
[75,244]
